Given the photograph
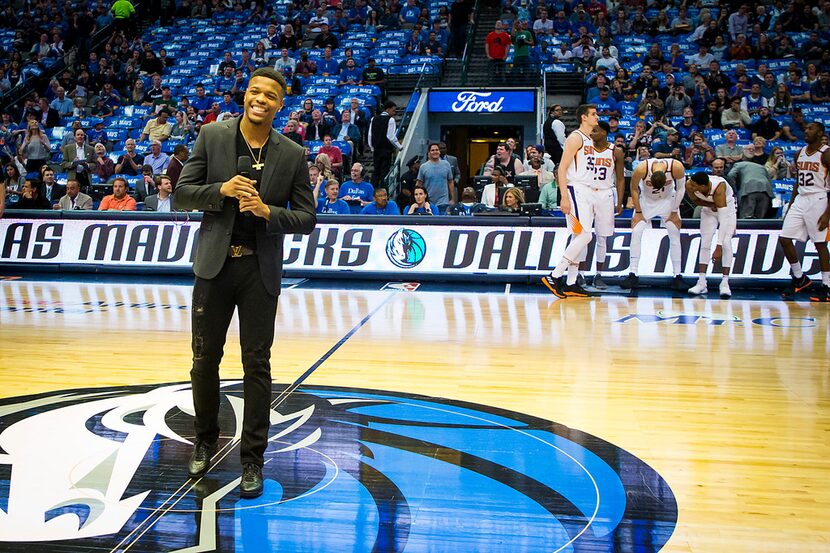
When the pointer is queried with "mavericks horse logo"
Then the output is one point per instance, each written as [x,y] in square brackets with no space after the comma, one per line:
[406,248]
[345,470]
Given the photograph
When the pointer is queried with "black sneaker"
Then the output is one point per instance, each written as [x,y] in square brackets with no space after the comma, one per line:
[598,283]
[821,294]
[199,462]
[797,285]
[678,285]
[251,485]
[576,291]
[629,282]
[580,279]
[555,285]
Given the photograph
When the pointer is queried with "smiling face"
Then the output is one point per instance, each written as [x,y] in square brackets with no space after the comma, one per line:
[263,99]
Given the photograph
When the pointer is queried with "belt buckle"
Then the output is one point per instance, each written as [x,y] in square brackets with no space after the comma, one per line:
[236,251]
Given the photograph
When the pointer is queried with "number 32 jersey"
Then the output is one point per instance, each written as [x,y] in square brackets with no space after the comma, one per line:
[812,174]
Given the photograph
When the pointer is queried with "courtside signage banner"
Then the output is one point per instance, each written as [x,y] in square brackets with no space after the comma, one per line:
[390,249]
[482,101]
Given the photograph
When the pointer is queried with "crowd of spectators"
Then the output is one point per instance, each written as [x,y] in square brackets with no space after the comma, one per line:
[76,123]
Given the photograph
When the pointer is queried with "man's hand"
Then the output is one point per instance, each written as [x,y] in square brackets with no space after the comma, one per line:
[824,220]
[565,204]
[255,205]
[674,218]
[619,209]
[718,253]
[638,217]
[239,187]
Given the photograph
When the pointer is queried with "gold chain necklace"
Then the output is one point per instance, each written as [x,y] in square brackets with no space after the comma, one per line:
[258,165]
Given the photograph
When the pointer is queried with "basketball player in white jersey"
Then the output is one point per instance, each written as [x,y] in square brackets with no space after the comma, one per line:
[657,190]
[720,212]
[609,181]
[576,176]
[808,213]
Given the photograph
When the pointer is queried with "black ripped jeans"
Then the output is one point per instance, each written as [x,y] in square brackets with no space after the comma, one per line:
[238,285]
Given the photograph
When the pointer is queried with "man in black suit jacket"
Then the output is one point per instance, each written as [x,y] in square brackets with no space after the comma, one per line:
[238,261]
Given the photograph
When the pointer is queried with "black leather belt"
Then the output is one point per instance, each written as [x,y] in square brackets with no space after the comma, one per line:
[239,251]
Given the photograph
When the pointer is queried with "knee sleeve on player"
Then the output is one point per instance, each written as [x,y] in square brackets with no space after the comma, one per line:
[636,244]
[674,248]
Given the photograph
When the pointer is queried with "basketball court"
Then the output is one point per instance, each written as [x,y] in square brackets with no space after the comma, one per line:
[419,417]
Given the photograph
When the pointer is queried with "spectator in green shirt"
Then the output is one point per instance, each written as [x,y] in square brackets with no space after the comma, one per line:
[123,12]
[522,43]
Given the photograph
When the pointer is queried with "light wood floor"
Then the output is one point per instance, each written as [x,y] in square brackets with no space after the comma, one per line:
[735,416]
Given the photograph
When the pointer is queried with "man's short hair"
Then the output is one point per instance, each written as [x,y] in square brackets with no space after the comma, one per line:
[604,126]
[700,178]
[389,104]
[583,109]
[122,179]
[180,148]
[658,179]
[270,73]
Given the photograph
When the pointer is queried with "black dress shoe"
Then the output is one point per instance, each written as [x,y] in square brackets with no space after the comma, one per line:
[200,459]
[251,485]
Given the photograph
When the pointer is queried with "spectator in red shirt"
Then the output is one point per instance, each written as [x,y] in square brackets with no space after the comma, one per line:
[334,153]
[495,46]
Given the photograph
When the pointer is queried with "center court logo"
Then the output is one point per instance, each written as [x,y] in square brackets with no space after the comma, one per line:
[351,468]
[406,248]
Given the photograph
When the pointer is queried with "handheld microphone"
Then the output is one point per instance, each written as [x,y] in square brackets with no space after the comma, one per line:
[244,168]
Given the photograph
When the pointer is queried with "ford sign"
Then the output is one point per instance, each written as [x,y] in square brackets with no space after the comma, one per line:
[489,101]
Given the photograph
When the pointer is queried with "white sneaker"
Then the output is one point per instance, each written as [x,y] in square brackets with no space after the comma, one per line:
[725,292]
[698,289]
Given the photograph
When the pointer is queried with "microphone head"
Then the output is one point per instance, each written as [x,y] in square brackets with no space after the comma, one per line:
[243,165]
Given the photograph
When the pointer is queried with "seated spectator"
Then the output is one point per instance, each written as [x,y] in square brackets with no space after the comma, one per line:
[735,116]
[31,196]
[356,192]
[348,132]
[651,105]
[820,91]
[318,128]
[670,147]
[756,152]
[183,129]
[147,185]
[74,199]
[330,114]
[331,203]
[753,103]
[700,154]
[162,200]
[201,103]
[305,115]
[512,200]
[798,89]
[703,58]
[213,115]
[157,129]
[98,134]
[129,163]
[228,105]
[753,189]
[421,204]
[290,131]
[740,49]
[328,66]
[468,204]
[381,204]
[710,118]
[323,163]
[606,106]
[407,183]
[640,137]
[677,102]
[687,126]
[225,81]
[373,75]
[729,151]
[156,159]
[119,200]
[766,126]
[536,169]
[777,165]
[793,131]
[61,103]
[103,166]
[325,38]
[335,155]
[285,63]
[504,158]
[607,62]
[492,194]
[781,104]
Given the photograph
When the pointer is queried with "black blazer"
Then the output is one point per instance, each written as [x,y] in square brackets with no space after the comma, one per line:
[284,179]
